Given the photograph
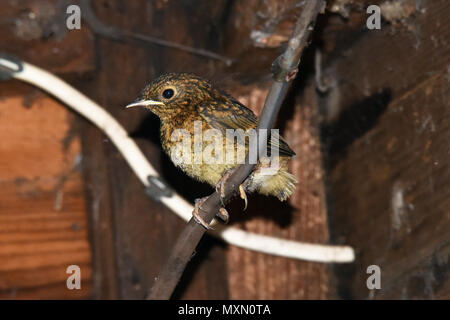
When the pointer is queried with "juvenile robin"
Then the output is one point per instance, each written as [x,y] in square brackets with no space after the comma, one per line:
[188,102]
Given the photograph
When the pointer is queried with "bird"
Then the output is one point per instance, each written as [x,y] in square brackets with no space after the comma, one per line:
[187,103]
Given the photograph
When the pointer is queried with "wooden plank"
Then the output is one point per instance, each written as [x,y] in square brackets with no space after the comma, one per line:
[304,218]
[394,58]
[43,225]
[99,211]
[388,166]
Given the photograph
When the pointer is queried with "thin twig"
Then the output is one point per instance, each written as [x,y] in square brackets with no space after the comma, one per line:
[285,70]
[116,34]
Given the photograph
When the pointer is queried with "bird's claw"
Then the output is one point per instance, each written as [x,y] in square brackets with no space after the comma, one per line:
[196,213]
[243,195]
[223,215]
[220,188]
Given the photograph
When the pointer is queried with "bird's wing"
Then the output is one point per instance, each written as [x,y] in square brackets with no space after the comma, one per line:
[234,115]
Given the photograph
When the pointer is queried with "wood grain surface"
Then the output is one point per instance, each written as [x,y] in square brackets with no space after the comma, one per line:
[43,224]
[372,152]
[388,157]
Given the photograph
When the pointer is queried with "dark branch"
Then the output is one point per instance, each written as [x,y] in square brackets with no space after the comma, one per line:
[284,71]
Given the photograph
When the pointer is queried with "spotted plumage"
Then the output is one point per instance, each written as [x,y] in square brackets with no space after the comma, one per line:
[180,100]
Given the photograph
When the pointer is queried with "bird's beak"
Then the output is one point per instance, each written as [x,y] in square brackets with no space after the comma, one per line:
[145,103]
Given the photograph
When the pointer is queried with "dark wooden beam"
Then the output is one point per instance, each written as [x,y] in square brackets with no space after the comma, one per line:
[387,161]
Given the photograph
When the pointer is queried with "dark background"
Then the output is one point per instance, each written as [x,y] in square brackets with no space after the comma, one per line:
[372,151]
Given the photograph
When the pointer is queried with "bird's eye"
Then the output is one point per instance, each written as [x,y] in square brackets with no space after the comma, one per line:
[168,93]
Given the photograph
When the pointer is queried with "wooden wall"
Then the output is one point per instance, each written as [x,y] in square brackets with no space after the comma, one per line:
[388,156]
[43,220]
[144,231]
[372,152]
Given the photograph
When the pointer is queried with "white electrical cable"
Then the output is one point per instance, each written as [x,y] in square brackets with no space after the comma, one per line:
[143,169]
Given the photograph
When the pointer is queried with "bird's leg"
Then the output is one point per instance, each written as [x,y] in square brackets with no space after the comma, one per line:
[196,213]
[220,187]
[222,214]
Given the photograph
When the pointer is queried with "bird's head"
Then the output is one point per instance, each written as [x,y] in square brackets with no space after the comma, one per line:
[173,93]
